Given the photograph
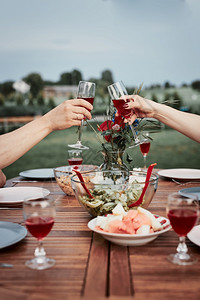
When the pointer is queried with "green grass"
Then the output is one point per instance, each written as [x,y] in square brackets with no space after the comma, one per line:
[169,149]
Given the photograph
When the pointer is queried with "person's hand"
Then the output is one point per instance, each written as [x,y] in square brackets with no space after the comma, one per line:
[2,179]
[141,107]
[69,113]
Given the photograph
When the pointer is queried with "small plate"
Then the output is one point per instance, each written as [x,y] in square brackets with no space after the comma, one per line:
[131,239]
[11,233]
[194,235]
[193,190]
[13,195]
[180,173]
[38,173]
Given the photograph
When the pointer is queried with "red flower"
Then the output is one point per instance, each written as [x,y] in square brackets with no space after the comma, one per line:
[107,125]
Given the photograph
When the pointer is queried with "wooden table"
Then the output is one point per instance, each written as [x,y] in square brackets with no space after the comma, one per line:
[89,267]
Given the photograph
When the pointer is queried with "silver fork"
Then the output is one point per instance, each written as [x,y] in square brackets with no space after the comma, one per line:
[5,265]
[181,183]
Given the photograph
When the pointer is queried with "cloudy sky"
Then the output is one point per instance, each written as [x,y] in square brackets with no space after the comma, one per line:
[150,41]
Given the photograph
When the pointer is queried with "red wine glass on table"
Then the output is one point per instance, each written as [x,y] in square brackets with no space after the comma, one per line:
[183,213]
[144,148]
[86,91]
[39,216]
[117,90]
[75,157]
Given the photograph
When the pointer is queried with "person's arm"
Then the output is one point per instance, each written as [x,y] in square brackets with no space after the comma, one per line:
[2,179]
[16,143]
[186,123]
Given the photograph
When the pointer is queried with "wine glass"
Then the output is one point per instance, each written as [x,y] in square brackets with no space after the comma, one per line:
[75,157]
[144,148]
[39,215]
[183,212]
[116,91]
[86,91]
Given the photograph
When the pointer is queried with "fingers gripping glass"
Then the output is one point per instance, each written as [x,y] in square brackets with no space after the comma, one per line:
[116,91]
[86,91]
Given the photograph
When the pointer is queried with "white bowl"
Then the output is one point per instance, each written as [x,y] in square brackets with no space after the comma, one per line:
[131,239]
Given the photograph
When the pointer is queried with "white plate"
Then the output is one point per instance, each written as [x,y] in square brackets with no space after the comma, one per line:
[12,195]
[194,235]
[180,173]
[193,190]
[38,173]
[130,239]
[11,233]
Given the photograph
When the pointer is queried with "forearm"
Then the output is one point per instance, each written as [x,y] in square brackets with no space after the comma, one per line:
[16,143]
[186,123]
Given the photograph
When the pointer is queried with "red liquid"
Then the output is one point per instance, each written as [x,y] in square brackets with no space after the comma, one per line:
[182,220]
[39,227]
[89,99]
[144,147]
[75,161]
[119,104]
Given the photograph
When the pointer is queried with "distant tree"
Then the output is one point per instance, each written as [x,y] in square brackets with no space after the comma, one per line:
[40,99]
[196,85]
[76,77]
[107,76]
[2,100]
[36,83]
[184,85]
[7,88]
[30,99]
[65,79]
[167,85]
[19,99]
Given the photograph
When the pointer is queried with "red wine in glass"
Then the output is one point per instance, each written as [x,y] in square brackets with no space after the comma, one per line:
[183,213]
[75,161]
[182,220]
[145,147]
[120,106]
[88,99]
[39,227]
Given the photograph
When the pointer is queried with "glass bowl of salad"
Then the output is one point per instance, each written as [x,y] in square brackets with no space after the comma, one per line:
[100,191]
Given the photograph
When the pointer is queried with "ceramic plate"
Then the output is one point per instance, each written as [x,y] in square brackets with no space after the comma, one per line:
[11,233]
[131,239]
[12,195]
[180,173]
[193,190]
[38,173]
[194,235]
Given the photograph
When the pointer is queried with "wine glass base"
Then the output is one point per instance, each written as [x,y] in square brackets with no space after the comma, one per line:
[182,260]
[38,264]
[78,146]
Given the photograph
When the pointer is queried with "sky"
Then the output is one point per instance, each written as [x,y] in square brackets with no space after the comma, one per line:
[149,41]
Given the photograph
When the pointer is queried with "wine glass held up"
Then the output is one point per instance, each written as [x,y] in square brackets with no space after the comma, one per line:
[39,216]
[75,157]
[183,213]
[117,90]
[86,91]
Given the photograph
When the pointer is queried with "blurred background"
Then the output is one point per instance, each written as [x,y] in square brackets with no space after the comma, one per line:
[47,47]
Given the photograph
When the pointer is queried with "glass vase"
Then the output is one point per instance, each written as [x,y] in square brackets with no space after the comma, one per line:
[113,160]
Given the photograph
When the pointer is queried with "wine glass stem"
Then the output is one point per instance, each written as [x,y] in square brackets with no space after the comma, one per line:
[40,253]
[145,161]
[80,131]
[182,247]
[134,134]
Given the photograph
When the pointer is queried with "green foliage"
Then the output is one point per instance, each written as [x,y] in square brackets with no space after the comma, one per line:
[6,88]
[36,83]
[40,100]
[196,85]
[51,103]
[2,100]
[107,76]
[19,99]
[70,78]
[154,97]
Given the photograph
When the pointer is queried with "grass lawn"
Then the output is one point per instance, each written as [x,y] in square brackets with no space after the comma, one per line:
[169,149]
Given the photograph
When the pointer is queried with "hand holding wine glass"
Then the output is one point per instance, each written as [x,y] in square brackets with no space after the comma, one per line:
[183,214]
[86,91]
[117,90]
[39,215]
